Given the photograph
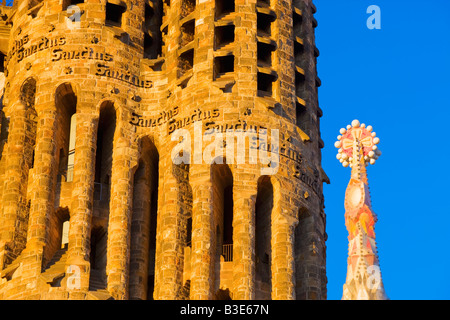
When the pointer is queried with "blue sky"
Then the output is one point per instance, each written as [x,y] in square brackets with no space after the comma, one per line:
[395,79]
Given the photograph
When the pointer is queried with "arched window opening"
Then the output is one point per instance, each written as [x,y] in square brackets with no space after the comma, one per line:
[222,200]
[227,240]
[71,157]
[28,97]
[144,223]
[66,104]
[104,153]
[28,93]
[223,208]
[263,235]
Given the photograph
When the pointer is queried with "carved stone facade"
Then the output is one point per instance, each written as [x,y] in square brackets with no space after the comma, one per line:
[96,98]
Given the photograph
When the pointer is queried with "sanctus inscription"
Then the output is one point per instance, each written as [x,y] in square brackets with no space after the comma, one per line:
[245,126]
[197,115]
[162,118]
[84,53]
[43,43]
[23,48]
[122,75]
[310,181]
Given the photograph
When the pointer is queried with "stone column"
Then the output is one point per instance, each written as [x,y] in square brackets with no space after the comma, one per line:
[15,177]
[43,194]
[310,247]
[82,198]
[202,263]
[244,196]
[169,246]
[283,266]
[166,241]
[118,251]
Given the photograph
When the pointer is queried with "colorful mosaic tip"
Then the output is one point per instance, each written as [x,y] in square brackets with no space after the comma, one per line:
[357,143]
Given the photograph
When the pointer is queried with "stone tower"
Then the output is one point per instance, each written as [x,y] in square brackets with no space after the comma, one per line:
[100,194]
[357,149]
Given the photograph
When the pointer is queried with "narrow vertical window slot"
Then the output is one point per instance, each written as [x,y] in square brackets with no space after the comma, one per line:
[187,32]
[301,116]
[153,42]
[263,3]
[223,65]
[265,84]
[186,62]
[187,7]
[224,8]
[224,35]
[114,14]
[264,24]
[297,22]
[265,51]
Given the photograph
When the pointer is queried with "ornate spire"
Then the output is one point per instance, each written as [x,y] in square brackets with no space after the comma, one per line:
[357,146]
